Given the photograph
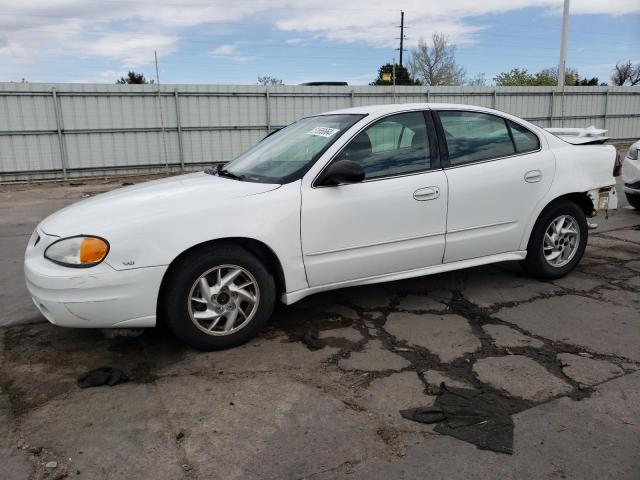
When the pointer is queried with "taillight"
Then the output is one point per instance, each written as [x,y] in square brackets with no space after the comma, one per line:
[617,166]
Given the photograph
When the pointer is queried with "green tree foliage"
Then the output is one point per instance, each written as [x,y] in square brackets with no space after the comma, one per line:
[514,78]
[133,78]
[517,77]
[268,80]
[402,76]
[589,82]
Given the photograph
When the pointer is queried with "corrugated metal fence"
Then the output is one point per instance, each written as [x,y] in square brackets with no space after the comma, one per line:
[71,130]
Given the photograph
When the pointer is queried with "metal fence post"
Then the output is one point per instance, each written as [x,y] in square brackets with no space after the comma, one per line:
[428,96]
[268,109]
[606,106]
[353,99]
[179,125]
[60,128]
[553,100]
[495,98]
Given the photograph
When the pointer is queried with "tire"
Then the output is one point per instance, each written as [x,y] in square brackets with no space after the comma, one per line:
[202,320]
[634,200]
[542,259]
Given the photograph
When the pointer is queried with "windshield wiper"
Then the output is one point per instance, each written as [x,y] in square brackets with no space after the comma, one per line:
[222,172]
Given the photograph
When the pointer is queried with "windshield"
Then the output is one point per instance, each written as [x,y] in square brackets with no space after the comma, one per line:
[288,153]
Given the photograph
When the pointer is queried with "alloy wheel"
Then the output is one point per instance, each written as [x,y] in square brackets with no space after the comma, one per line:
[561,241]
[223,300]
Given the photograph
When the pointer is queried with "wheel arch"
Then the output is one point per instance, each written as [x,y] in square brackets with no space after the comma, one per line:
[581,199]
[258,248]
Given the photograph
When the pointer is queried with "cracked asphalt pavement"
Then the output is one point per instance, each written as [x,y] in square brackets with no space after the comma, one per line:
[567,352]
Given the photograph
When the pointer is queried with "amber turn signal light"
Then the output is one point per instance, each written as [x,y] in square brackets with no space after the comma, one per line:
[93,250]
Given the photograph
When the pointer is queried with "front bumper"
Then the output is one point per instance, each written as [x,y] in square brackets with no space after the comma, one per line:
[632,188]
[95,297]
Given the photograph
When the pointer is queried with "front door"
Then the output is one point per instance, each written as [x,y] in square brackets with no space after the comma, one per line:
[391,222]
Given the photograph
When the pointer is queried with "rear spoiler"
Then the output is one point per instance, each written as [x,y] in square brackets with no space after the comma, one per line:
[580,136]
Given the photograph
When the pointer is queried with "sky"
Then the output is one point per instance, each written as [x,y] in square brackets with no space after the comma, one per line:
[234,41]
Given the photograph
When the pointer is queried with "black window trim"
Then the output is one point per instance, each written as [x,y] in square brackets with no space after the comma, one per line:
[444,157]
[434,147]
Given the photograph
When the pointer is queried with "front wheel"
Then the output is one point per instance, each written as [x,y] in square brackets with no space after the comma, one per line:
[634,200]
[218,298]
[557,241]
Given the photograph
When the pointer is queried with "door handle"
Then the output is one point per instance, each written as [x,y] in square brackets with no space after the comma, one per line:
[426,193]
[533,176]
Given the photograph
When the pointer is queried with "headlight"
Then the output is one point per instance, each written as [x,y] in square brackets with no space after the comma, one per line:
[83,251]
[633,151]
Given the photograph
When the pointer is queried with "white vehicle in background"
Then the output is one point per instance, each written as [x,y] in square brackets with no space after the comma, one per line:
[631,175]
[351,197]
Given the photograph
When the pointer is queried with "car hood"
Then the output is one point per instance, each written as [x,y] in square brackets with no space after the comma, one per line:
[158,200]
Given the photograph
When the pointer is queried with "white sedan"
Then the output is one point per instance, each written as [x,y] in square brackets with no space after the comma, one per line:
[350,197]
[631,175]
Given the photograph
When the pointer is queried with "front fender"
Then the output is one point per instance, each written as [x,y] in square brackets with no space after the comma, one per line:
[272,218]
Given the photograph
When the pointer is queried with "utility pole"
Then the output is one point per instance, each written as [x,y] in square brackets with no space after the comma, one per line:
[401,27]
[563,45]
[393,76]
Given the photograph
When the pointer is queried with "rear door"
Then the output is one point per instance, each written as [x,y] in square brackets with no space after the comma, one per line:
[497,171]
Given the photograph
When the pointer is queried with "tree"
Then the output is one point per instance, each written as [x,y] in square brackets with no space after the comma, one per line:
[514,78]
[133,78]
[478,81]
[402,76]
[626,73]
[269,80]
[549,76]
[435,64]
[517,77]
[589,82]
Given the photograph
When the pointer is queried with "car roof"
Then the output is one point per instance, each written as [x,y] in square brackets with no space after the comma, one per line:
[401,107]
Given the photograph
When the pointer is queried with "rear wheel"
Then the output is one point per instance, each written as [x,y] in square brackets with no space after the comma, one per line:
[634,200]
[218,298]
[557,241]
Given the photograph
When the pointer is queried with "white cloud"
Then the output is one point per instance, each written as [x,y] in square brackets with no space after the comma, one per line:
[224,50]
[128,32]
[231,53]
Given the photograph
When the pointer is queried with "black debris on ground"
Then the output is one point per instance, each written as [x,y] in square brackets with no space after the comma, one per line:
[312,339]
[102,376]
[481,417]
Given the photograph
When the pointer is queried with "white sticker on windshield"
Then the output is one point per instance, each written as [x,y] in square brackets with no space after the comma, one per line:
[324,132]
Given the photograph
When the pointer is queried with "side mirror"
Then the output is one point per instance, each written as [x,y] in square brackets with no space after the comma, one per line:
[341,172]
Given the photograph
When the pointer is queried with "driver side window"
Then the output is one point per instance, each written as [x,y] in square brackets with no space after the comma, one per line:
[394,145]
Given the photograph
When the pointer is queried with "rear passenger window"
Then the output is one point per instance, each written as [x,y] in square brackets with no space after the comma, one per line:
[525,140]
[475,136]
